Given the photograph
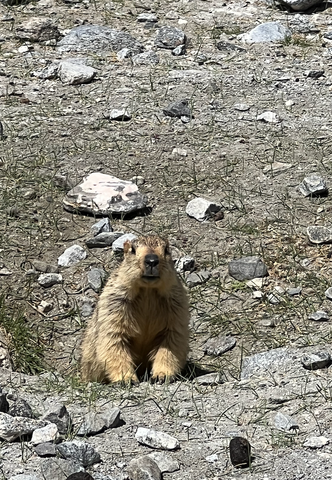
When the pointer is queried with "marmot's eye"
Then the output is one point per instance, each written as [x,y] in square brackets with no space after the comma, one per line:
[133,249]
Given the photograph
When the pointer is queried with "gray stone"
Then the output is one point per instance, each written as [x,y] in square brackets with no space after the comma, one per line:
[319,234]
[102,240]
[118,244]
[94,423]
[185,264]
[316,442]
[268,117]
[178,109]
[58,414]
[180,50]
[44,267]
[45,449]
[319,316]
[87,307]
[201,209]
[47,73]
[294,291]
[96,279]
[328,293]
[300,5]
[120,115]
[262,363]
[276,167]
[285,422]
[241,107]
[59,469]
[314,73]
[72,256]
[74,74]
[247,268]
[18,407]
[274,298]
[95,38]
[214,378]
[165,463]
[49,433]
[169,37]
[24,477]
[212,458]
[240,452]
[144,468]
[315,361]
[102,226]
[267,32]
[102,194]
[37,29]
[146,58]
[197,278]
[81,452]
[49,279]
[15,427]
[219,345]
[147,17]
[124,53]
[156,439]
[313,185]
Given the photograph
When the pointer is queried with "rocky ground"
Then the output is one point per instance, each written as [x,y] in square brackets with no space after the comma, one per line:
[256,122]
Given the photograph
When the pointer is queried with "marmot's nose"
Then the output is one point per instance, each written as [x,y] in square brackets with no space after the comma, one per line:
[151,260]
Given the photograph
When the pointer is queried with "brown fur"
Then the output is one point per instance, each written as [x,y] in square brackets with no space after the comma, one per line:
[141,318]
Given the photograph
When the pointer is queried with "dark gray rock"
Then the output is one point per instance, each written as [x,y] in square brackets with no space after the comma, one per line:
[197,278]
[156,439]
[82,476]
[59,469]
[144,468]
[4,405]
[319,234]
[165,462]
[37,29]
[315,361]
[45,449]
[146,58]
[285,422]
[59,415]
[178,109]
[219,345]
[240,452]
[18,407]
[185,264]
[315,74]
[313,185]
[300,5]
[247,268]
[47,73]
[169,37]
[103,226]
[95,38]
[267,32]
[47,280]
[319,316]
[118,244]
[94,423]
[96,279]
[81,452]
[72,256]
[16,427]
[102,240]
[201,209]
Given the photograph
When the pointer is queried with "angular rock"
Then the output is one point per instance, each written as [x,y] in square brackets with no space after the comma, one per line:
[124,53]
[185,264]
[59,469]
[268,117]
[202,209]
[120,115]
[103,226]
[165,463]
[81,476]
[219,345]
[80,452]
[37,29]
[47,73]
[18,407]
[197,278]
[72,256]
[74,74]
[319,234]
[146,58]
[156,439]
[102,240]
[247,268]
[144,468]
[96,279]
[45,449]
[95,38]
[316,442]
[313,185]
[94,423]
[240,452]
[102,194]
[44,267]
[276,167]
[267,32]
[147,17]
[118,244]
[212,458]
[294,291]
[169,37]
[49,433]
[262,363]
[16,427]
[315,361]
[49,279]
[180,50]
[285,422]
[178,109]
[319,316]
[300,5]
[214,378]
[58,414]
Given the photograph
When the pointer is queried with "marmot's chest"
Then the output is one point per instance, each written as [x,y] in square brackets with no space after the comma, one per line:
[151,312]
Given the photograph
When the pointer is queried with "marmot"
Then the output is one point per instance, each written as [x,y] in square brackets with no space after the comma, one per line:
[141,319]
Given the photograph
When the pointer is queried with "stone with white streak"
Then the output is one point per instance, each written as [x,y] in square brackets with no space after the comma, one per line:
[156,439]
[71,256]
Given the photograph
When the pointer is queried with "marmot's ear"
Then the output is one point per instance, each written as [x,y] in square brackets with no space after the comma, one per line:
[126,246]
[167,248]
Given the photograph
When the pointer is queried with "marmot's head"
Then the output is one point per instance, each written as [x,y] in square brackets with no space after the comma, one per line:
[149,261]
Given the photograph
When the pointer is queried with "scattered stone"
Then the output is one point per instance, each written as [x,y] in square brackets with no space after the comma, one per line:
[24,477]
[144,468]
[319,316]
[258,294]
[80,476]
[240,452]
[165,463]
[49,433]
[247,268]
[276,167]
[47,73]
[95,38]
[169,37]
[45,449]
[214,378]
[45,306]
[242,107]
[81,452]
[96,279]
[72,256]
[44,267]
[58,414]
[102,194]
[218,345]
[212,458]
[18,407]
[146,58]
[255,283]
[178,109]
[87,307]
[94,423]
[104,225]
[229,47]
[319,234]
[313,185]
[274,298]
[75,74]
[5,272]
[120,115]
[49,279]
[118,244]
[180,50]
[316,442]
[138,180]
[268,117]
[124,53]
[197,278]
[328,293]
[285,422]
[4,405]
[37,29]
[185,264]
[262,363]
[293,291]
[300,5]
[180,152]
[267,32]
[314,73]
[16,427]
[156,439]
[202,209]
[147,17]
[315,361]
[59,469]
[102,240]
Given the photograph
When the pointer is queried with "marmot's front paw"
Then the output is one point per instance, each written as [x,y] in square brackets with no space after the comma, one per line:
[125,379]
[163,378]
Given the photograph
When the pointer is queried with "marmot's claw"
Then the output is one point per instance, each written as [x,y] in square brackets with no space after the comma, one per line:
[160,379]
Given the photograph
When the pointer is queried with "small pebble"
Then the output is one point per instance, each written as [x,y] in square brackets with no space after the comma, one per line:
[319,316]
[316,442]
[285,422]
[315,361]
